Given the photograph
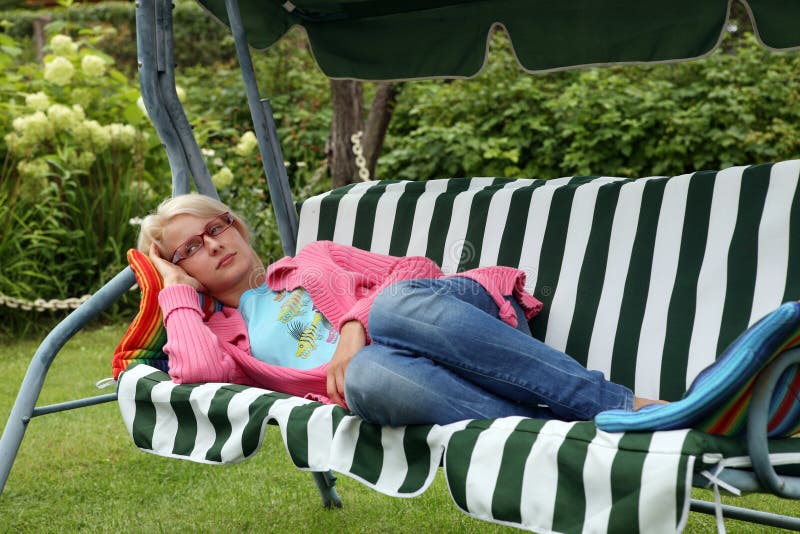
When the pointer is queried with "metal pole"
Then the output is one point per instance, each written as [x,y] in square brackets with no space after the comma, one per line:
[172,104]
[150,59]
[757,420]
[24,406]
[279,189]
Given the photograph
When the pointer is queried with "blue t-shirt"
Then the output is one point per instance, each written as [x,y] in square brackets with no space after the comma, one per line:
[286,329]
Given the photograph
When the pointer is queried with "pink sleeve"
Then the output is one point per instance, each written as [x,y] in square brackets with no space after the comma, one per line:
[194,351]
[406,268]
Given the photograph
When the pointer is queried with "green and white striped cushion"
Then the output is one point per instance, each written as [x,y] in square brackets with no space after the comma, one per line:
[647,280]
[542,475]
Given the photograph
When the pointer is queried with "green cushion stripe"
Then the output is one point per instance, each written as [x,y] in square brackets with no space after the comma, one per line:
[404,218]
[440,222]
[419,453]
[336,418]
[508,488]
[365,215]
[144,422]
[368,456]
[593,270]
[297,433]
[681,312]
[627,466]
[328,210]
[792,291]
[476,226]
[218,417]
[257,413]
[187,422]
[570,506]
[457,458]
[680,487]
[514,231]
[634,297]
[552,252]
[742,258]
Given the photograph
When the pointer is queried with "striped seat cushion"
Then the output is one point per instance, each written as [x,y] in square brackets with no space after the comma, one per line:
[647,280]
[542,475]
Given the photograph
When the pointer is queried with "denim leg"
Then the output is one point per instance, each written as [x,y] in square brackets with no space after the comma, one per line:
[392,387]
[453,322]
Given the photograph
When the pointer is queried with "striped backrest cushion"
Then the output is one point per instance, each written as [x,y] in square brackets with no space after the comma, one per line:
[647,280]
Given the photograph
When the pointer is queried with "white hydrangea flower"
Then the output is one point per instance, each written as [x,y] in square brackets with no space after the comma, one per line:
[223,178]
[59,71]
[64,118]
[246,144]
[93,66]
[140,104]
[91,133]
[208,152]
[181,93]
[218,162]
[35,168]
[83,160]
[33,128]
[123,135]
[62,45]
[37,101]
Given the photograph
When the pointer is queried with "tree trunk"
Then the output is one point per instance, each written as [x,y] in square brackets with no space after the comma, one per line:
[378,122]
[39,37]
[348,100]
[348,104]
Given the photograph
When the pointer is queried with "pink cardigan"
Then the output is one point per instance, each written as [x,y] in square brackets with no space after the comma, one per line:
[342,281]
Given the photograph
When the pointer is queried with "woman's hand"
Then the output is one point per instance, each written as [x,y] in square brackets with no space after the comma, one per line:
[171,273]
[352,339]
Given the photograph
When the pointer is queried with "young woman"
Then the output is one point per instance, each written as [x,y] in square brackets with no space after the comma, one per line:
[392,339]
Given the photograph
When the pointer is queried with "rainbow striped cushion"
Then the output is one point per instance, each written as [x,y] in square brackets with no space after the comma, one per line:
[146,335]
[718,399]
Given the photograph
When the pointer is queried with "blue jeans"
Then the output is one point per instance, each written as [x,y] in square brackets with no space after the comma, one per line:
[439,354]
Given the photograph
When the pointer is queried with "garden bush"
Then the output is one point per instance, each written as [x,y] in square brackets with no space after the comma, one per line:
[205,40]
[76,158]
[738,106]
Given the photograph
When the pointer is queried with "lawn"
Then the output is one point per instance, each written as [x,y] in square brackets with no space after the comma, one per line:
[79,471]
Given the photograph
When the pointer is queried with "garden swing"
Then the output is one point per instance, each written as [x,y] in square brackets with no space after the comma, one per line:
[649,280]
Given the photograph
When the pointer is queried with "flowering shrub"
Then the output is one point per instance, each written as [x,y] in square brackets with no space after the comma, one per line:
[81,160]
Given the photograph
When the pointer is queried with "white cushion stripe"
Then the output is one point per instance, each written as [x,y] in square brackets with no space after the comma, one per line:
[773,240]
[713,278]
[662,281]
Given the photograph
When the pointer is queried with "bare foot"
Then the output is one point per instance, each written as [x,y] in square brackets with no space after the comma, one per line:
[641,402]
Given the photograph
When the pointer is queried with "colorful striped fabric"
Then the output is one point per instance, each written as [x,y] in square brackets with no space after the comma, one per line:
[718,400]
[145,337]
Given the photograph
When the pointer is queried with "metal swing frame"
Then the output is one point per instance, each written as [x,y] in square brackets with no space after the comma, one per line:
[157,80]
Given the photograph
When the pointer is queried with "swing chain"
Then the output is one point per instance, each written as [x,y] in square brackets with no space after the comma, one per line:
[358,151]
[41,304]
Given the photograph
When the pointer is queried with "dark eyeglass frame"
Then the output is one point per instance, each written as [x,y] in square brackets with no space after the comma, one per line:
[209,230]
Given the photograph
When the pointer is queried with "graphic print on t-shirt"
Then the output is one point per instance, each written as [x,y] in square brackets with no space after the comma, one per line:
[285,328]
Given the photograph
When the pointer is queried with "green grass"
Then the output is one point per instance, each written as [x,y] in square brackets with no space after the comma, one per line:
[79,471]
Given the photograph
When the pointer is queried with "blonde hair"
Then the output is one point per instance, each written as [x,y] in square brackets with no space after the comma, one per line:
[202,206]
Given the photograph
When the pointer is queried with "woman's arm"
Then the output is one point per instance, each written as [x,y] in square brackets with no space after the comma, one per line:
[195,352]
[352,339]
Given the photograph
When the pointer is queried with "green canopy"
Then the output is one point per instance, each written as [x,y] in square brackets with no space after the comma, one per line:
[406,39]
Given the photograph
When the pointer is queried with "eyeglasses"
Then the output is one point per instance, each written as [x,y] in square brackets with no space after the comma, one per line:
[215,227]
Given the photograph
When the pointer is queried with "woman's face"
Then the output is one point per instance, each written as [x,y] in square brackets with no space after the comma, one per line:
[221,263]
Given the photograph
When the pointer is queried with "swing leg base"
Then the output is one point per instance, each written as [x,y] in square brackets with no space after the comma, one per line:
[326,484]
